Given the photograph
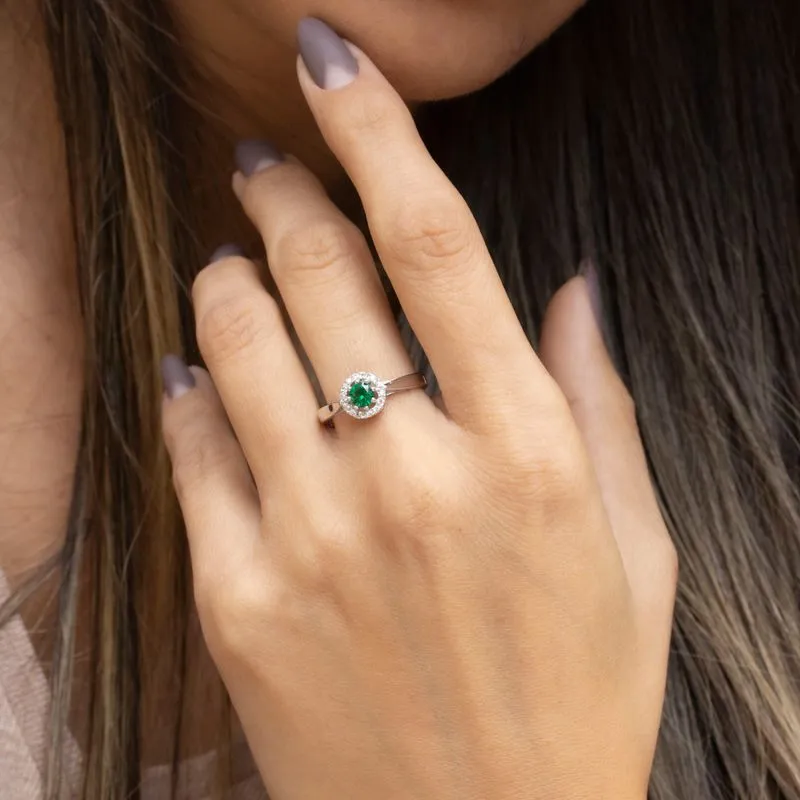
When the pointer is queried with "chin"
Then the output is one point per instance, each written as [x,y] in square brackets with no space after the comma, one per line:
[435,79]
[443,52]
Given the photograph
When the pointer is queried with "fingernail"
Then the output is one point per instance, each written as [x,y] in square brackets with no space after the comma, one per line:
[256,155]
[326,56]
[177,378]
[225,251]
[589,272]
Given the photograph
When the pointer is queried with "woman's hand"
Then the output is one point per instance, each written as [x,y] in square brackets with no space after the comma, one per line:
[428,605]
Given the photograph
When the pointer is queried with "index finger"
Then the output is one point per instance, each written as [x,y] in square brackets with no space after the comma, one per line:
[429,242]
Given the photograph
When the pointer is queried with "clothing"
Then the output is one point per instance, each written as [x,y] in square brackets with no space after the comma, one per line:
[23,735]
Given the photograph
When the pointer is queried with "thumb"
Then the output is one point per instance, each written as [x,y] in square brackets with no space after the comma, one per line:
[573,351]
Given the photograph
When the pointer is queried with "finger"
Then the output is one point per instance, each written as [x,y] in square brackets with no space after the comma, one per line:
[257,371]
[428,240]
[215,490]
[573,350]
[323,269]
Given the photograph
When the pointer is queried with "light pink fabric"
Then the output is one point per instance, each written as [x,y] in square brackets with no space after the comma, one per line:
[23,728]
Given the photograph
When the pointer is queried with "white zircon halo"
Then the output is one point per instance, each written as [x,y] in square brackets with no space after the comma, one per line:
[363,395]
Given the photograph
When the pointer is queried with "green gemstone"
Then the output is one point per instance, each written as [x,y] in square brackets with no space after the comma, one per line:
[361,395]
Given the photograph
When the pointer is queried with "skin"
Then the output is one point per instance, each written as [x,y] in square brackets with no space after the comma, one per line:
[40,342]
[246,56]
[244,51]
[428,50]
[460,604]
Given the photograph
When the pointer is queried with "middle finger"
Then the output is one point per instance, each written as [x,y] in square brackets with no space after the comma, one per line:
[323,270]
[429,242]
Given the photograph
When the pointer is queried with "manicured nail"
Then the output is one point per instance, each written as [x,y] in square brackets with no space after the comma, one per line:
[226,251]
[589,272]
[326,56]
[256,155]
[178,380]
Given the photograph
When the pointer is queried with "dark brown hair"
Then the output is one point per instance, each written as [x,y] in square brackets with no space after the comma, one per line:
[661,138]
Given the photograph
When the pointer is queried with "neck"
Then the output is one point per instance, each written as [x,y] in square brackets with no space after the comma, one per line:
[246,80]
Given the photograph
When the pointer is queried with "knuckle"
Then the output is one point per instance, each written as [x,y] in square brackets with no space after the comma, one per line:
[330,557]
[434,234]
[420,504]
[323,553]
[371,112]
[325,246]
[196,461]
[235,324]
[561,476]
[231,609]
[548,468]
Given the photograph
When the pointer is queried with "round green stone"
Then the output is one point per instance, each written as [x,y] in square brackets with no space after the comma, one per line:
[361,395]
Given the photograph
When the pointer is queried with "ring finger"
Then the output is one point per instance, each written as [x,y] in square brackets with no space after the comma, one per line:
[323,269]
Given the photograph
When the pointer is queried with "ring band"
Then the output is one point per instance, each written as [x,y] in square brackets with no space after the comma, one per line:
[363,394]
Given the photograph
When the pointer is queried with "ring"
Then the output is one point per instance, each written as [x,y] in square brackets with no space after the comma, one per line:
[363,394]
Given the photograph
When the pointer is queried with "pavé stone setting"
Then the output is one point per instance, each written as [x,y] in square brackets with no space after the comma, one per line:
[363,395]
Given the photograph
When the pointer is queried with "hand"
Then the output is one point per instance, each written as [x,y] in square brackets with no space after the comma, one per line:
[428,605]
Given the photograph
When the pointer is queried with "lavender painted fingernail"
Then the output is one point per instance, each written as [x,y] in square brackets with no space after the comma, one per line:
[327,58]
[225,251]
[177,378]
[256,155]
